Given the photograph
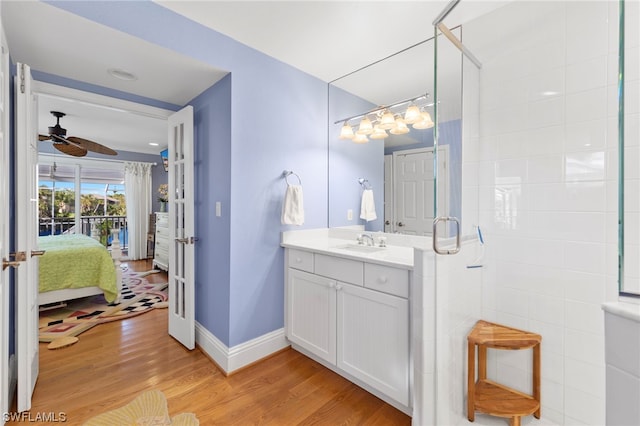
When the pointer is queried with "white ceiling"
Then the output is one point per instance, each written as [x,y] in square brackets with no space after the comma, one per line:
[326,39]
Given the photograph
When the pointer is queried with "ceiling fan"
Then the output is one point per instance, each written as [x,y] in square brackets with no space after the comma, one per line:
[72,145]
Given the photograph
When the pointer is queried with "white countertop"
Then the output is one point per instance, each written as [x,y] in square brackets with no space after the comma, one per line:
[627,310]
[396,256]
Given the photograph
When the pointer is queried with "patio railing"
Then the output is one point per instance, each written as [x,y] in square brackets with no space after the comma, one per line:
[66,225]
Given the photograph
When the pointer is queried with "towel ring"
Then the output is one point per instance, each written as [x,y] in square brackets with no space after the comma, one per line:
[365,183]
[287,173]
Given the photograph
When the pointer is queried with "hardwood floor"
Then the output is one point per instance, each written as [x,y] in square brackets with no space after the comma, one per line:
[114,362]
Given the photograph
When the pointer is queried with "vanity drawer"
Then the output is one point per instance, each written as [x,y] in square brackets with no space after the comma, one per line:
[386,279]
[302,260]
[347,270]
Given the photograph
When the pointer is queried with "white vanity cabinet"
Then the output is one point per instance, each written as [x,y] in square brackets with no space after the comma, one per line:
[354,316]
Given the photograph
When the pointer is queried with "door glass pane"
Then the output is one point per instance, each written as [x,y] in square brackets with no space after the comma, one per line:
[56,199]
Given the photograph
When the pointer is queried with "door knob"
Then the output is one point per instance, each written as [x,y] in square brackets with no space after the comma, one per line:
[6,263]
[400,224]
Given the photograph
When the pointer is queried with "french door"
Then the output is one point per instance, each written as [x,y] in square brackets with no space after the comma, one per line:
[26,217]
[181,228]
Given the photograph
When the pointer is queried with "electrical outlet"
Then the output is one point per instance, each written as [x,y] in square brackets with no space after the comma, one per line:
[349,214]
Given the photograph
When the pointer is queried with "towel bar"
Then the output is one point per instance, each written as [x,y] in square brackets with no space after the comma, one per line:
[365,183]
[287,173]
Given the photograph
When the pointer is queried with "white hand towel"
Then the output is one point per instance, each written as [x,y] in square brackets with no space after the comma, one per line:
[367,206]
[293,206]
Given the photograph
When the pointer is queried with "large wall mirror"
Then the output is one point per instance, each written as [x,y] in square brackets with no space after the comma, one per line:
[629,146]
[398,167]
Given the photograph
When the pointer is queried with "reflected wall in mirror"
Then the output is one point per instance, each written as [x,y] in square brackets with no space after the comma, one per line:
[400,167]
[629,143]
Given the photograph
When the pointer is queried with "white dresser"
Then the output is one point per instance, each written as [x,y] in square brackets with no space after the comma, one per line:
[161,252]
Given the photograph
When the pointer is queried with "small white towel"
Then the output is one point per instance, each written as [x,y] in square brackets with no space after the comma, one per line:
[293,206]
[367,206]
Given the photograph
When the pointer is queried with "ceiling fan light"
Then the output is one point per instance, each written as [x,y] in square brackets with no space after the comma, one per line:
[346,132]
[387,121]
[412,115]
[425,123]
[400,127]
[378,133]
[365,127]
[360,138]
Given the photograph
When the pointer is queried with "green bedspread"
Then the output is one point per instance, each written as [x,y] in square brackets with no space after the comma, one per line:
[75,261]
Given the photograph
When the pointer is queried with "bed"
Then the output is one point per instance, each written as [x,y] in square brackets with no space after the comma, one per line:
[75,266]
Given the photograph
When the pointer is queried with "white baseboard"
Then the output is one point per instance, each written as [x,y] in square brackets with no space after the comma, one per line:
[231,359]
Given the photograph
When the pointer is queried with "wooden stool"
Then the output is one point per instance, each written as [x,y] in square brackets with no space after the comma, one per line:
[493,398]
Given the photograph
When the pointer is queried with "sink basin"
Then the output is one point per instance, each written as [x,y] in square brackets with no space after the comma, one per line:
[360,248]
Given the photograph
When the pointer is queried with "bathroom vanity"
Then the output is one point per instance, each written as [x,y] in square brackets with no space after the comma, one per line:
[348,307]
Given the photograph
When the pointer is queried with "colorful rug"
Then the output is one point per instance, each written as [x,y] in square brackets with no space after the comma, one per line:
[149,408]
[79,315]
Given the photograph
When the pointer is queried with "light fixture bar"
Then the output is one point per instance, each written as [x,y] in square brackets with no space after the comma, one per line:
[383,107]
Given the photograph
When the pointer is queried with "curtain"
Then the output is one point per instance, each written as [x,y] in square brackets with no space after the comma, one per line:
[137,184]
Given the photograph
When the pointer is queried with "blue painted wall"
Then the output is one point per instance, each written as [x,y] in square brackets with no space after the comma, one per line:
[350,161]
[278,121]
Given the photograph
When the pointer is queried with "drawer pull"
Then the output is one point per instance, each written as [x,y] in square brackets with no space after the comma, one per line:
[383,279]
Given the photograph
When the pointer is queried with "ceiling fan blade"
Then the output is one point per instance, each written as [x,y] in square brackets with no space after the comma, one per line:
[44,137]
[70,149]
[92,146]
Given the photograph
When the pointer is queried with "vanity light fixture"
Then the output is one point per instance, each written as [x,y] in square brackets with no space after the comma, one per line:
[394,118]
[346,132]
[365,127]
[378,133]
[426,122]
[360,138]
[401,127]
[412,115]
[387,121]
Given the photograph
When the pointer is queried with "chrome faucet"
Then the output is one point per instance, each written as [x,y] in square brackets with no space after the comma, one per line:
[369,237]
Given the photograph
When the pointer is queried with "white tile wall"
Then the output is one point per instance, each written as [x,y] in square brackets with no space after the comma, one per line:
[546,181]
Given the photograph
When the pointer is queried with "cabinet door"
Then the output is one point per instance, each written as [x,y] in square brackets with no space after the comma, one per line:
[373,339]
[311,313]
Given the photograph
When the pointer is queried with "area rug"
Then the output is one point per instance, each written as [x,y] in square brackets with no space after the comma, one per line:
[149,408]
[138,297]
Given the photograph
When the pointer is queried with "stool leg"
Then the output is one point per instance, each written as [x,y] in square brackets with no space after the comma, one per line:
[482,362]
[471,378]
[515,421]
[536,378]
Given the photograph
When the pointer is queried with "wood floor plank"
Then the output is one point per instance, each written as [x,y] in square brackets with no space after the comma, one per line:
[114,362]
